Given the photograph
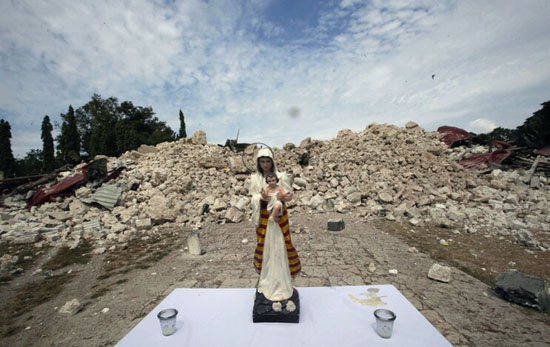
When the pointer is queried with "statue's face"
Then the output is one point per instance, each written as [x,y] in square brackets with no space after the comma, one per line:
[266,164]
[272,181]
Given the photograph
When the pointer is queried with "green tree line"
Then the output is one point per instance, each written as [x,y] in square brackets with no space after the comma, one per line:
[101,126]
[533,133]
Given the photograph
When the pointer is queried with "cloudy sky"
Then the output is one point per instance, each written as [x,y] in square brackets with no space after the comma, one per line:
[278,70]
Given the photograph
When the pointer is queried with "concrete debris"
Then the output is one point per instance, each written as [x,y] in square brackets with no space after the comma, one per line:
[300,182]
[372,267]
[440,273]
[145,149]
[411,125]
[233,215]
[242,204]
[385,197]
[71,307]
[99,250]
[144,223]
[199,138]
[406,175]
[316,201]
[7,264]
[412,250]
[194,244]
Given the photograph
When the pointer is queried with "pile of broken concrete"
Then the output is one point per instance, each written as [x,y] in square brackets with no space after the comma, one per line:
[402,174]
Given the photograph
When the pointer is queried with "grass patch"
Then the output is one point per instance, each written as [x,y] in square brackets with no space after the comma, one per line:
[66,256]
[475,254]
[140,254]
[28,297]
[99,293]
[21,252]
[481,275]
[142,266]
[158,255]
[5,279]
[12,330]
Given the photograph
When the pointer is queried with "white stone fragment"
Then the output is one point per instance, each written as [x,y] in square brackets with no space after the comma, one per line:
[440,273]
[71,307]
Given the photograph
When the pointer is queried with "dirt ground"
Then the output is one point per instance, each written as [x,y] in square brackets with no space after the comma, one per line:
[118,288]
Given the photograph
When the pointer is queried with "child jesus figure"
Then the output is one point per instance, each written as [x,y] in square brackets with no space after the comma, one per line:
[274,206]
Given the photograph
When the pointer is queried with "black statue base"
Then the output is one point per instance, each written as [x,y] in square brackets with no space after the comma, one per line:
[263,309]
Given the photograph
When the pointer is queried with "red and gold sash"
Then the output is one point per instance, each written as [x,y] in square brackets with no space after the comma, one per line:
[293,259]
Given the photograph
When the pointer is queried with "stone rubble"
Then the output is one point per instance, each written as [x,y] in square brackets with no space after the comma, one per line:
[193,243]
[401,174]
[440,273]
[71,307]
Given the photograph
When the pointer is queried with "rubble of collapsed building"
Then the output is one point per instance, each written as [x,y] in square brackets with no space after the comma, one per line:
[401,174]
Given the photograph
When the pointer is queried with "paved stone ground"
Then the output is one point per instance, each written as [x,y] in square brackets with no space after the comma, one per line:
[465,311]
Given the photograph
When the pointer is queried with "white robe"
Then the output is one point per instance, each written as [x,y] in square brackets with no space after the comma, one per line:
[275,280]
[273,201]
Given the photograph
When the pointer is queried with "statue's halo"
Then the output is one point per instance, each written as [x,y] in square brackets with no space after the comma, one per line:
[253,144]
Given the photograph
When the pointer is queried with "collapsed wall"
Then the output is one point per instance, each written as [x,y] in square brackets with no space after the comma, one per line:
[401,174]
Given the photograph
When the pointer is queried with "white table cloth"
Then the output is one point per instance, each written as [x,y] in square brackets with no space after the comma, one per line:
[329,316]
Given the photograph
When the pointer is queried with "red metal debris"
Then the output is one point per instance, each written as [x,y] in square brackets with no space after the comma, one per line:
[453,134]
[502,144]
[115,173]
[64,187]
[479,160]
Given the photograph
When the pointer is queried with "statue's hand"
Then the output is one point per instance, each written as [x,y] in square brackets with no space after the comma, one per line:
[264,196]
[284,196]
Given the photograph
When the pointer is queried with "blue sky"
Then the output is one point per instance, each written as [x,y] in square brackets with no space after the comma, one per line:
[245,64]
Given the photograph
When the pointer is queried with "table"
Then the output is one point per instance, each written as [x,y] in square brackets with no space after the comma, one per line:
[329,316]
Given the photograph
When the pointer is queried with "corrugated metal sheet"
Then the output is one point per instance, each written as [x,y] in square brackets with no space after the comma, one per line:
[107,196]
[453,134]
[92,226]
[479,160]
[67,184]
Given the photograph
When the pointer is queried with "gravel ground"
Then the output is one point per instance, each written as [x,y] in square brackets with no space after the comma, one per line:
[131,282]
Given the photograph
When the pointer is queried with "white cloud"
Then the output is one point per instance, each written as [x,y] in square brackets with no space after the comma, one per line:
[482,125]
[222,64]
[349,3]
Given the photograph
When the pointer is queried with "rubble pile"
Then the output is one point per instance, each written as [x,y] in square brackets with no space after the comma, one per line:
[401,174]
[407,174]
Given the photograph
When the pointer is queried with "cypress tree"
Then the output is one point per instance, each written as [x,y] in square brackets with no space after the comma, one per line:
[183,133]
[68,142]
[7,161]
[48,160]
[73,138]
